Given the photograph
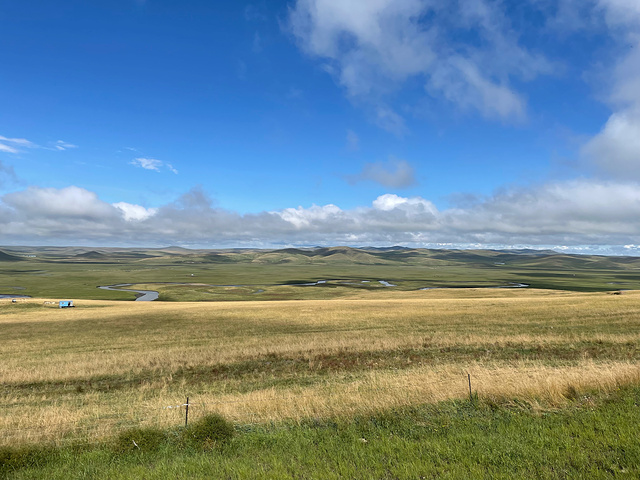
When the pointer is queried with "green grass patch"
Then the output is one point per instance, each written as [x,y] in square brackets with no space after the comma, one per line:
[594,436]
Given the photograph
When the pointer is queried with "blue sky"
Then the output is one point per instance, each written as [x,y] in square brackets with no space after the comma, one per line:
[473,123]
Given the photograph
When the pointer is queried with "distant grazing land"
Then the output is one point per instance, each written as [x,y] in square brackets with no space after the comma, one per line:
[244,274]
[388,363]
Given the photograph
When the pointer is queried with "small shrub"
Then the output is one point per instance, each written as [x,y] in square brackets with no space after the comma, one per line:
[208,432]
[139,440]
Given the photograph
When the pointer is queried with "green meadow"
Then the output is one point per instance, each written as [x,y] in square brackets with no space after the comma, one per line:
[192,275]
[361,373]
[593,436]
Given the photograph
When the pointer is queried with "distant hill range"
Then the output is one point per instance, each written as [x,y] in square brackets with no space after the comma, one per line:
[340,255]
[6,257]
[92,255]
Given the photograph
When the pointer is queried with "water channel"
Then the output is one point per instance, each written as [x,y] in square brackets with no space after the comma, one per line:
[151,295]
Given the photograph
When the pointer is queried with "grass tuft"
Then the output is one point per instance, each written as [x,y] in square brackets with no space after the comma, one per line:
[139,440]
[24,456]
[209,432]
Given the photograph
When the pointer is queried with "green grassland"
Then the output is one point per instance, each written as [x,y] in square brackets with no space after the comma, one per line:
[371,384]
[194,275]
[594,436]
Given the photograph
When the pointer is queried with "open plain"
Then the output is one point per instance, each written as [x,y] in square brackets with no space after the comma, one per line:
[302,355]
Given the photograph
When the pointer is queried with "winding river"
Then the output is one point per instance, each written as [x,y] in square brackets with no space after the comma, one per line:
[145,295]
[12,295]
[511,285]
[151,295]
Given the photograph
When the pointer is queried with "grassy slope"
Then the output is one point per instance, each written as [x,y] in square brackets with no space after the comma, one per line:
[95,370]
[104,365]
[594,436]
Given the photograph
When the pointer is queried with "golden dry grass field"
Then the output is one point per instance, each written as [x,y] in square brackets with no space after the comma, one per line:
[91,371]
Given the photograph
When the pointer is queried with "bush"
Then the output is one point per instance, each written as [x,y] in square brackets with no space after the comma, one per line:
[208,432]
[139,440]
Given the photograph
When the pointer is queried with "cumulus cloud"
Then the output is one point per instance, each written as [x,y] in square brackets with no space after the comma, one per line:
[307,217]
[464,51]
[615,150]
[621,12]
[59,204]
[389,202]
[132,212]
[394,173]
[153,164]
[576,213]
[68,215]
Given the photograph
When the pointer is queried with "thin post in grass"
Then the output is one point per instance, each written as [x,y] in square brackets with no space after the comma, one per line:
[186,413]
[470,394]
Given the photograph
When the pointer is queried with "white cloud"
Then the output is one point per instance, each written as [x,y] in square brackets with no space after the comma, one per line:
[23,142]
[62,145]
[58,204]
[573,214]
[306,217]
[152,164]
[394,173]
[565,212]
[132,212]
[14,145]
[461,82]
[147,163]
[615,150]
[374,47]
[389,202]
[621,12]
[7,148]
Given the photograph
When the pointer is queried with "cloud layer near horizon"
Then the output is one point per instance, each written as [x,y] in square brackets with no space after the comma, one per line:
[571,213]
